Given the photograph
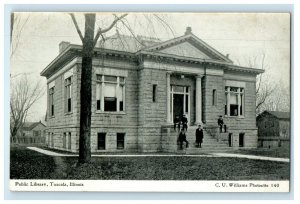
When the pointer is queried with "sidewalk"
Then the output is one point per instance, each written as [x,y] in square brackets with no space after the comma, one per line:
[255,157]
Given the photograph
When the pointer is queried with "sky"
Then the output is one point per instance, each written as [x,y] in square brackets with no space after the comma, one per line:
[243,36]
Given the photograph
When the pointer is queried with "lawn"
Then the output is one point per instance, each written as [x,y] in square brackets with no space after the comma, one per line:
[27,164]
[178,168]
[282,152]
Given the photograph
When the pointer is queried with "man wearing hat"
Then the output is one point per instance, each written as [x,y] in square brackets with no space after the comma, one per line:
[220,123]
[199,136]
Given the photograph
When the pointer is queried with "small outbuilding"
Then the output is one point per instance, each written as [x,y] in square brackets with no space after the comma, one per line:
[273,129]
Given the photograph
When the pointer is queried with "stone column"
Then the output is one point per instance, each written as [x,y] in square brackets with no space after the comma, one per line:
[198,100]
[168,98]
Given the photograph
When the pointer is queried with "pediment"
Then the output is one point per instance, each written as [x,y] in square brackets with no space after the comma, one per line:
[188,46]
[185,49]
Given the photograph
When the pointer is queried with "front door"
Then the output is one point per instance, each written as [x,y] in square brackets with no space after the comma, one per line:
[178,105]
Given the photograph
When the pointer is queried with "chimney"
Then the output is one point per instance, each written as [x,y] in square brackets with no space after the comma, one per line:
[188,31]
[227,56]
[63,45]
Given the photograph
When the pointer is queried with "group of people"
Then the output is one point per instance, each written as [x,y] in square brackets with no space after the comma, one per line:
[178,122]
[199,131]
[182,135]
[199,137]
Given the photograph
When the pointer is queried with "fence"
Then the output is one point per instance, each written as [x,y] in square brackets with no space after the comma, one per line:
[27,140]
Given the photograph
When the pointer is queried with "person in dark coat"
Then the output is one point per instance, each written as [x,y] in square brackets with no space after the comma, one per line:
[220,123]
[182,138]
[176,122]
[199,136]
[184,121]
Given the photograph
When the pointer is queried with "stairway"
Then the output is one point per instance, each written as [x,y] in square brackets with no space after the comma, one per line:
[209,145]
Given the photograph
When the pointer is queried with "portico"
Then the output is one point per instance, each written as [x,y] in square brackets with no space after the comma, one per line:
[184,97]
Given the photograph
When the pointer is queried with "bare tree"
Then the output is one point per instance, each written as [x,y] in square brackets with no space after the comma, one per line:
[264,87]
[24,94]
[17,24]
[88,44]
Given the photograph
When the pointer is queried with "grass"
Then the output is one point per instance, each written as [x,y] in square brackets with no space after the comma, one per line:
[178,168]
[28,164]
[282,152]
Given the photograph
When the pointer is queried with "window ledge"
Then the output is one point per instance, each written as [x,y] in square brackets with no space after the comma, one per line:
[69,113]
[111,112]
[237,117]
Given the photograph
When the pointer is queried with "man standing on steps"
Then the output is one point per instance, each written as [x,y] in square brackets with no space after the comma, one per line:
[199,136]
[182,138]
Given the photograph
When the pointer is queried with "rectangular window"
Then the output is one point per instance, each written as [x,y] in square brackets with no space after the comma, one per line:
[98,95]
[120,140]
[120,96]
[110,92]
[49,139]
[234,101]
[51,101]
[214,97]
[241,139]
[110,78]
[101,140]
[110,104]
[52,139]
[36,133]
[179,89]
[230,139]
[68,94]
[64,140]
[154,92]
[69,140]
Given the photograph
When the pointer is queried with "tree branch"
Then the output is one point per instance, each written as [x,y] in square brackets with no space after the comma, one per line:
[100,31]
[76,26]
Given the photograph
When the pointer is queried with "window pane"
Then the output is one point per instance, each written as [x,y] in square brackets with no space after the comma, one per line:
[214,97]
[98,91]
[99,77]
[110,104]
[186,103]
[178,89]
[120,93]
[233,99]
[69,141]
[69,104]
[186,89]
[121,106]
[120,140]
[110,90]
[98,105]
[241,105]
[154,93]
[233,89]
[233,110]
[101,140]
[110,78]
[122,79]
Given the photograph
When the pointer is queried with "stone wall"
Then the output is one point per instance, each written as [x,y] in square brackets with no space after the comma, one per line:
[151,114]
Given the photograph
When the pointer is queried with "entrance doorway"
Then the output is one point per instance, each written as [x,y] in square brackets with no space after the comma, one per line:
[178,105]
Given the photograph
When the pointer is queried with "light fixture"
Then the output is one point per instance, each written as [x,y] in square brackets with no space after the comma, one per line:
[182,76]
